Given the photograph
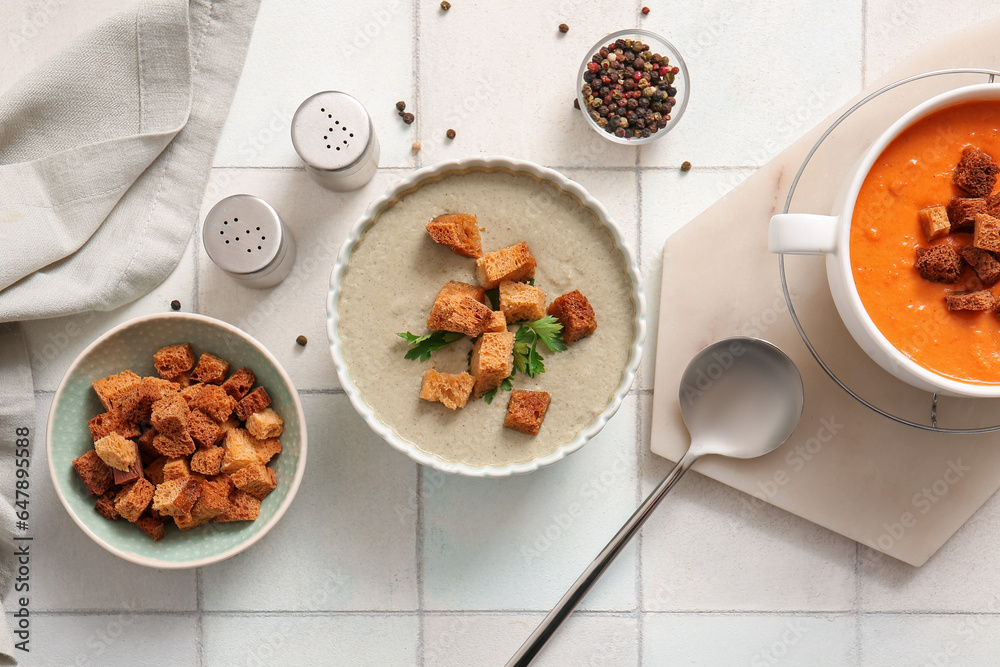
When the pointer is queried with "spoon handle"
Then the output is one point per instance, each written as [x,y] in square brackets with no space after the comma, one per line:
[586,581]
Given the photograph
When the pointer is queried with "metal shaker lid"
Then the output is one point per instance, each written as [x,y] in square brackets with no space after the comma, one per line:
[331,131]
[243,234]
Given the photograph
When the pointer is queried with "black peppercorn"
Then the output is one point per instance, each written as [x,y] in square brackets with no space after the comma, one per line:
[450,134]
[407,117]
[175,304]
[685,166]
[301,340]
[400,105]
[576,103]
[563,28]
[619,132]
[445,5]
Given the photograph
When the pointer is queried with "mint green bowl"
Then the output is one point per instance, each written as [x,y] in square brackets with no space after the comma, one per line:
[131,346]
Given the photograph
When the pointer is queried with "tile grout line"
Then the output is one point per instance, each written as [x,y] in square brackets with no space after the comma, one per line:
[864,44]
[200,620]
[417,106]
[419,527]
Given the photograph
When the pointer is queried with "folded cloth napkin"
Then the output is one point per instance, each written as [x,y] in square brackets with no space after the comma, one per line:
[105,151]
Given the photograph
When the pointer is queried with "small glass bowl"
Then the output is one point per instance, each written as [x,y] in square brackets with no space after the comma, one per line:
[657,44]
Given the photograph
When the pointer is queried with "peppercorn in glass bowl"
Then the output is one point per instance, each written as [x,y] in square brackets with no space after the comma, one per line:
[629,103]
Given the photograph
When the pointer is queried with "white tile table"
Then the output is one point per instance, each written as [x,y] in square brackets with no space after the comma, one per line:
[380,562]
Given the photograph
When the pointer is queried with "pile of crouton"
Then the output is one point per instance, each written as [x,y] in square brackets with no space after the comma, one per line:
[463,308]
[191,445]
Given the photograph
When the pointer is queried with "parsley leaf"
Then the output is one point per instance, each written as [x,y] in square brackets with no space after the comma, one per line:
[549,330]
[527,358]
[421,347]
[506,385]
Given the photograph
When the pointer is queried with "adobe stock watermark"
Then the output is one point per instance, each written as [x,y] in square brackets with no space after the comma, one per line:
[778,650]
[33,24]
[369,29]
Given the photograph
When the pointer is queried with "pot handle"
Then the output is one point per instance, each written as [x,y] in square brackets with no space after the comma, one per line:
[803,234]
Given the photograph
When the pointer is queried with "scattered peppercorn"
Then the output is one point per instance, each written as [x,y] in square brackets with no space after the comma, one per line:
[451,134]
[645,10]
[416,146]
[576,103]
[445,5]
[175,304]
[685,166]
[407,117]
[302,340]
[400,105]
[563,28]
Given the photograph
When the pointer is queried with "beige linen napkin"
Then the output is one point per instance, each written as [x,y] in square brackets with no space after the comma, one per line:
[105,151]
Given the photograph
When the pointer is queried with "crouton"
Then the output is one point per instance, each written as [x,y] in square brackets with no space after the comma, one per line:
[242,507]
[171,415]
[202,428]
[492,360]
[212,501]
[210,369]
[95,474]
[135,402]
[172,361]
[939,264]
[173,445]
[992,205]
[239,383]
[962,213]
[108,388]
[266,449]
[497,322]
[256,479]
[146,449]
[458,231]
[214,401]
[976,172]
[934,221]
[983,263]
[225,427]
[165,386]
[152,526]
[208,460]
[526,411]
[253,402]
[240,451]
[982,299]
[134,472]
[116,451]
[521,302]
[154,471]
[513,263]
[176,496]
[105,506]
[112,422]
[265,424]
[133,499]
[575,314]
[986,234]
[452,390]
[459,307]
[176,468]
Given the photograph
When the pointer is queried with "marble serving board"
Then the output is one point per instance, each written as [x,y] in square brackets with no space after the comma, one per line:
[895,488]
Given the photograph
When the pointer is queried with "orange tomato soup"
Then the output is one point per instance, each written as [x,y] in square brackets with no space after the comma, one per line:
[914,171]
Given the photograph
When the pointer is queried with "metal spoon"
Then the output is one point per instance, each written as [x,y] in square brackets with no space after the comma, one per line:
[740,397]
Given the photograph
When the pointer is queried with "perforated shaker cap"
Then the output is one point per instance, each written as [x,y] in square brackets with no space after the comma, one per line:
[243,235]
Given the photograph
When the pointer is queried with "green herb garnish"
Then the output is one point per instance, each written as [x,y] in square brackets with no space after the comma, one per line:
[494,295]
[527,359]
[506,385]
[421,347]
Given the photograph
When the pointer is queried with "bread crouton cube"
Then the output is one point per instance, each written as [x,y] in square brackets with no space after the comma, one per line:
[939,264]
[173,445]
[459,307]
[165,386]
[934,221]
[576,315]
[146,449]
[108,388]
[526,411]
[208,460]
[176,468]
[253,402]
[133,473]
[212,400]
[451,389]
[112,422]
[133,499]
[95,474]
[225,427]
[242,507]
[175,497]
[116,451]
[265,424]
[458,231]
[256,479]
[513,263]
[171,415]
[992,205]
[212,501]
[492,360]
[498,322]
[266,449]
[986,233]
[982,299]
[240,451]
[135,402]
[962,213]
[105,506]
[521,302]
[172,361]
[976,172]
[210,369]
[202,428]
[983,263]
[154,471]
[239,383]
[152,526]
